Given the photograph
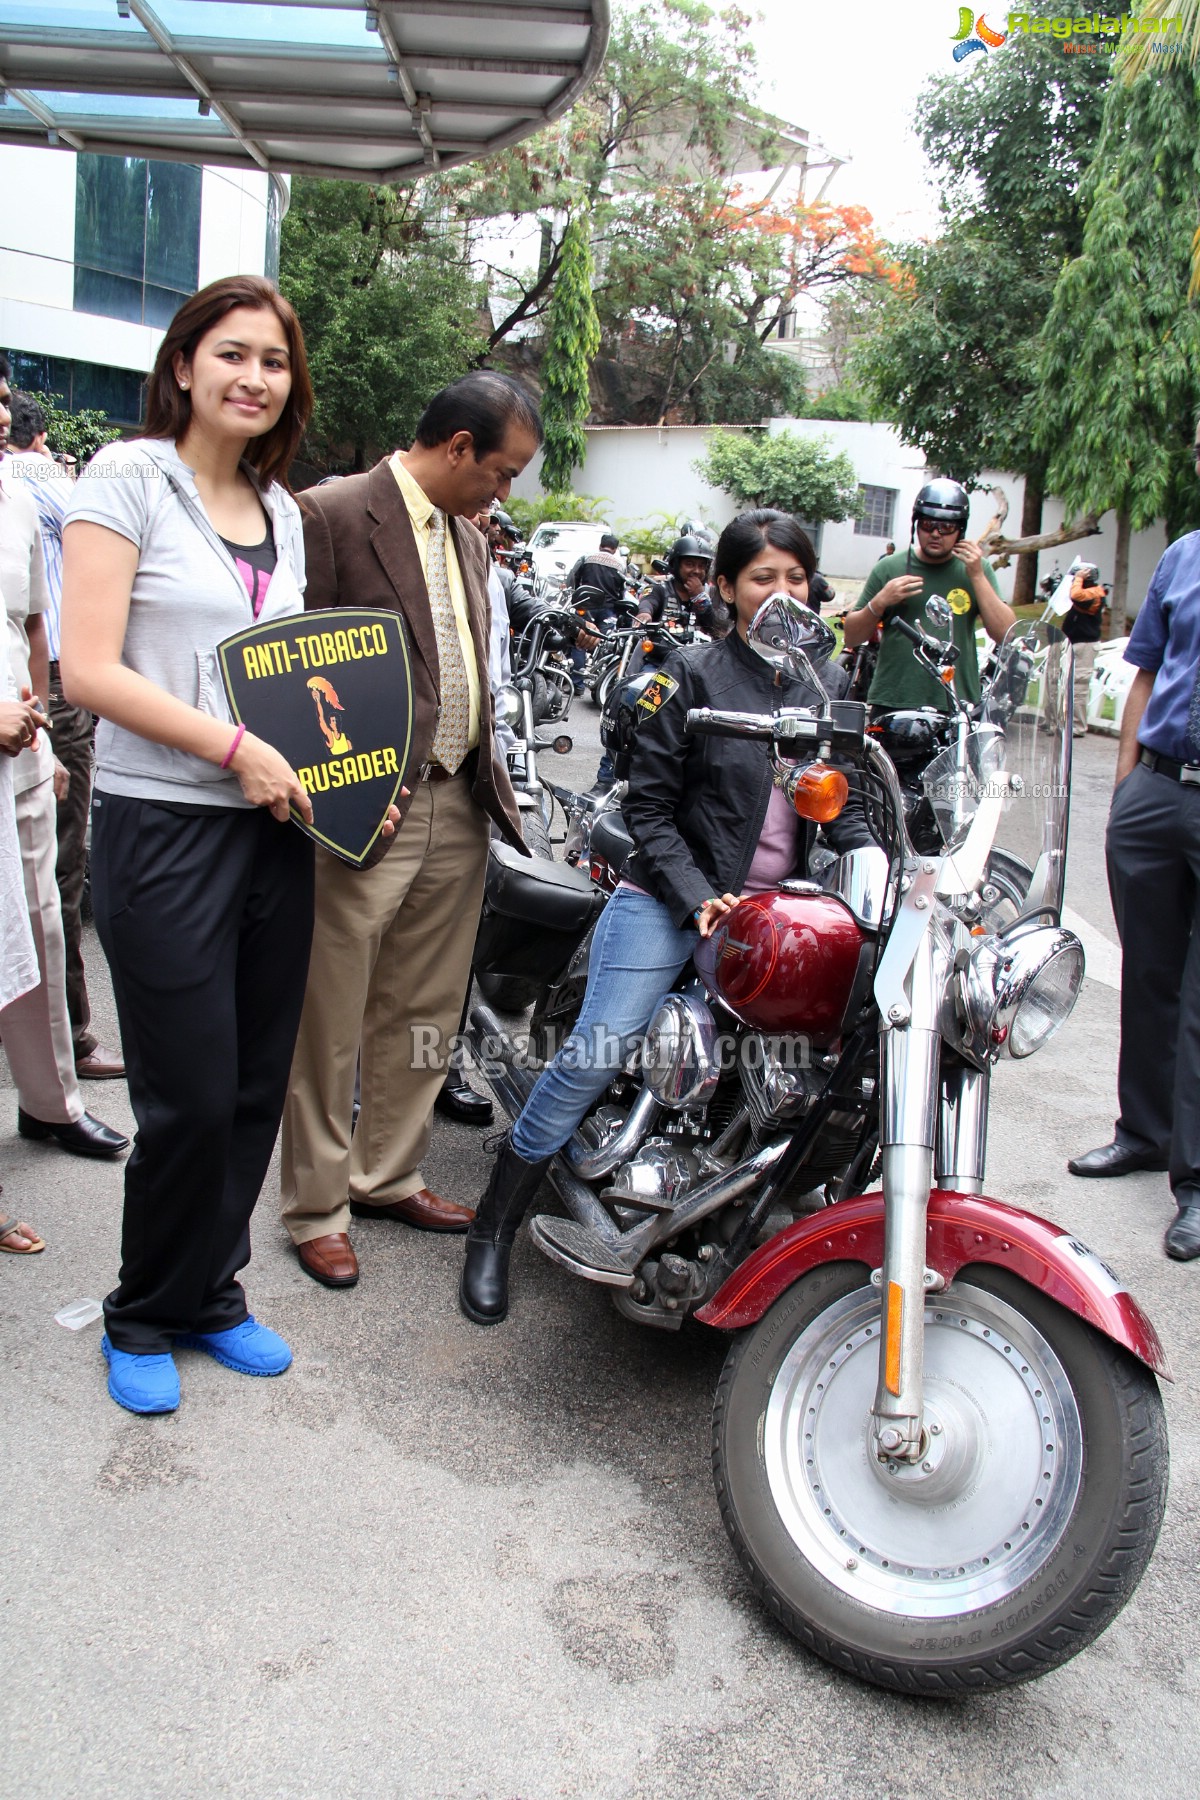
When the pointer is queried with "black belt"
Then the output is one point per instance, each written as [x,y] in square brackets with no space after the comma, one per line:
[1187,773]
[432,771]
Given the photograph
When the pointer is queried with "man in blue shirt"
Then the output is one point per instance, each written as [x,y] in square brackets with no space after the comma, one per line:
[1153,849]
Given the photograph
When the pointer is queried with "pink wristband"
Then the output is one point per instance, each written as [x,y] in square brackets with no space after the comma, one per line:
[229,755]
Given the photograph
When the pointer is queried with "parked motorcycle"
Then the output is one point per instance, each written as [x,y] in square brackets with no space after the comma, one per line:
[938,1444]
[542,637]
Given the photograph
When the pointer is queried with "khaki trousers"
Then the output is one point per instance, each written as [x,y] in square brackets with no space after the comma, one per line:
[391,958]
[1085,662]
[36,1029]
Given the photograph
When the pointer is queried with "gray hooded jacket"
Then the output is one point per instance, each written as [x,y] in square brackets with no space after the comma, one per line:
[187,596]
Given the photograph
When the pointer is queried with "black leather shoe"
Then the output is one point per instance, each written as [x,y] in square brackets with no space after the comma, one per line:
[1116,1159]
[86,1137]
[483,1290]
[456,1100]
[1183,1234]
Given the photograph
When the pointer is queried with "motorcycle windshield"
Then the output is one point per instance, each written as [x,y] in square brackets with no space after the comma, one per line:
[1022,742]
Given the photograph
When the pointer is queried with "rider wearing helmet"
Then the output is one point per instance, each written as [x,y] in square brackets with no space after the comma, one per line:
[685,595]
[940,560]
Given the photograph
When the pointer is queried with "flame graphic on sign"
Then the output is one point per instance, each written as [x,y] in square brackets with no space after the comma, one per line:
[329,711]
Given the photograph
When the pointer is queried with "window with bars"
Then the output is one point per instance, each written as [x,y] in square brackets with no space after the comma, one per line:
[876,512]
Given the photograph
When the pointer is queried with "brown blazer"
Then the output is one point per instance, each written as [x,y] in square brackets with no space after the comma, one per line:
[359,550]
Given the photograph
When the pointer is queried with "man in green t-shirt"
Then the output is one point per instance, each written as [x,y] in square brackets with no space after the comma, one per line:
[939,560]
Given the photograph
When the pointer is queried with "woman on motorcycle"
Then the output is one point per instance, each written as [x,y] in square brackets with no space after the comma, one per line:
[708,823]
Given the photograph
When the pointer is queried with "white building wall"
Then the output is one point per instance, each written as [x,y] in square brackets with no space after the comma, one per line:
[644,475]
[233,223]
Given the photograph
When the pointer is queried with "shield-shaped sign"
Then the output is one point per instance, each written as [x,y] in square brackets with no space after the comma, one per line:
[332,691]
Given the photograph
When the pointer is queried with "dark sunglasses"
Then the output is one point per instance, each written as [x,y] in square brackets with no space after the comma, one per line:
[944,526]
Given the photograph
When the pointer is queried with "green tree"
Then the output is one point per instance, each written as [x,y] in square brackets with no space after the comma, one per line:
[572,340]
[77,434]
[389,311]
[692,279]
[561,507]
[1120,366]
[800,475]
[951,354]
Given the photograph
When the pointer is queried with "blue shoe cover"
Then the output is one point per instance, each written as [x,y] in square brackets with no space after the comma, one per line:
[250,1348]
[141,1384]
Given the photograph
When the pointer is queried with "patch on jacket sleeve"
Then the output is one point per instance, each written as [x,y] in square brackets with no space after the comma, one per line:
[658,690]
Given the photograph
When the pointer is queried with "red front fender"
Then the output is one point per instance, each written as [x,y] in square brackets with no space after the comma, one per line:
[963,1229]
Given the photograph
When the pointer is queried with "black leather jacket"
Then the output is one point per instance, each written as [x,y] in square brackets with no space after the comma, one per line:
[696,805]
[707,610]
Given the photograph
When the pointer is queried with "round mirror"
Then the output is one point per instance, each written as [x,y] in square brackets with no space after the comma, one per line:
[784,632]
[938,612]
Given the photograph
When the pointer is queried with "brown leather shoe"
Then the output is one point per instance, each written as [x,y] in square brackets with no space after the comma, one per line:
[329,1259]
[428,1212]
[100,1065]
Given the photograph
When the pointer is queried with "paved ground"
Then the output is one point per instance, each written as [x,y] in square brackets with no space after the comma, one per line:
[433,1561]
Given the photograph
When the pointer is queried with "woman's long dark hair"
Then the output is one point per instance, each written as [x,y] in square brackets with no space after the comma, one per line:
[750,532]
[169,407]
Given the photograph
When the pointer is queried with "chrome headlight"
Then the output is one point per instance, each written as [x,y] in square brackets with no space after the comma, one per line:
[680,1062]
[1015,992]
[508,707]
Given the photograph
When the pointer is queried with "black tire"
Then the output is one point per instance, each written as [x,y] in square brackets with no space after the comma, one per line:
[540,699]
[605,686]
[602,686]
[536,834]
[1100,1529]
[1004,891]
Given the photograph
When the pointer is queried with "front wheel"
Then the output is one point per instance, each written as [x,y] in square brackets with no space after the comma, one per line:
[1015,1540]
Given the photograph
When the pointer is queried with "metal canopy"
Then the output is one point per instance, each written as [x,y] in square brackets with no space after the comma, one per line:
[344,88]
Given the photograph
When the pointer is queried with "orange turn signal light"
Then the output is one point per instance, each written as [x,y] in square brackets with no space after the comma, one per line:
[818,792]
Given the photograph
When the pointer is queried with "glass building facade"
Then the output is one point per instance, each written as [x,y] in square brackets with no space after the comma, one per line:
[137,237]
[81,386]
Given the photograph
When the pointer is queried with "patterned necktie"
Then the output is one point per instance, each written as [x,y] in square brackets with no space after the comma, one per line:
[450,740]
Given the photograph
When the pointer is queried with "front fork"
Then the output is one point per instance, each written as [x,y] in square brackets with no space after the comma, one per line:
[933,1122]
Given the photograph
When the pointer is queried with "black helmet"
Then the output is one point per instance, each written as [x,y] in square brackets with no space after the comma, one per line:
[942,500]
[621,718]
[610,541]
[505,523]
[689,545]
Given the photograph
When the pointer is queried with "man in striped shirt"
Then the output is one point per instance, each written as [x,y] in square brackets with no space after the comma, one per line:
[48,483]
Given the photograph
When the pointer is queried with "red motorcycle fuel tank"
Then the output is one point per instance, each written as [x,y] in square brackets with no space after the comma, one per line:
[785,962]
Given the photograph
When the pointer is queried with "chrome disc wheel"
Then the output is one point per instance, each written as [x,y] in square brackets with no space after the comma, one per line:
[997,1479]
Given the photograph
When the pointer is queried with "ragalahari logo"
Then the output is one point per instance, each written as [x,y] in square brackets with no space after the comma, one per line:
[974,34]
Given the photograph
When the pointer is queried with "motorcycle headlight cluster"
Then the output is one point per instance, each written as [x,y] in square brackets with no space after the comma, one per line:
[508,708]
[680,1057]
[1015,992]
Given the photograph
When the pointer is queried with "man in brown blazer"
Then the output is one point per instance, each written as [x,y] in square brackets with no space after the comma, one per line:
[392,942]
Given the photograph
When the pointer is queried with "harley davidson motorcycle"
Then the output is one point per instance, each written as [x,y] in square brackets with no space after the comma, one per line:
[938,1443]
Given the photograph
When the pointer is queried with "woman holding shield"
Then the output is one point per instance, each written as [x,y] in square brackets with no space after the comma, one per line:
[202,891]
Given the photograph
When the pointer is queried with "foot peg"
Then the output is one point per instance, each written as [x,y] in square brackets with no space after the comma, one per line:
[583,1252]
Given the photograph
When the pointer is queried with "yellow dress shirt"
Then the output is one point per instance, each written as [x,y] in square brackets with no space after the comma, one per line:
[420,511]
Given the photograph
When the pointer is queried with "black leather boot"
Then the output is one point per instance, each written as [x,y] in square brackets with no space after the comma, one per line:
[483,1290]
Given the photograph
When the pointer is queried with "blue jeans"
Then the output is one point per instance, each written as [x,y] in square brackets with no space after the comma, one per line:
[637,954]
